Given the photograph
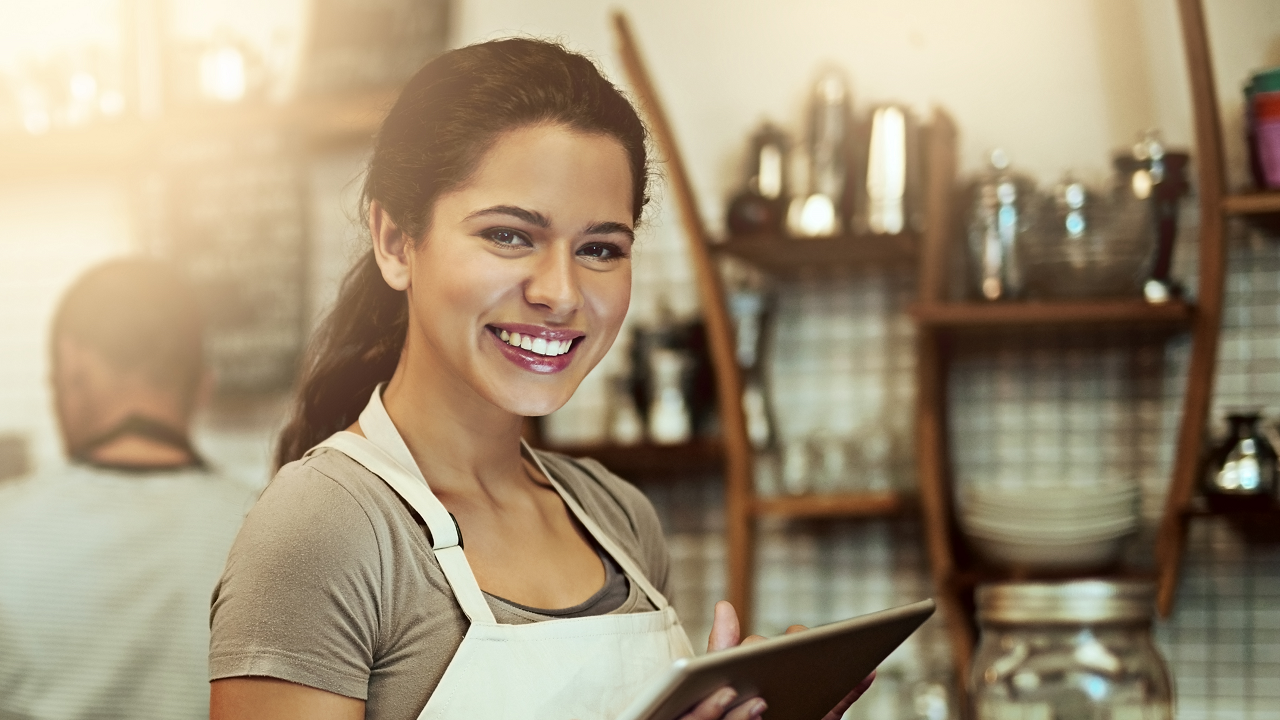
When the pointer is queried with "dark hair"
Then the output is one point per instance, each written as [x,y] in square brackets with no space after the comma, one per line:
[448,115]
[142,317]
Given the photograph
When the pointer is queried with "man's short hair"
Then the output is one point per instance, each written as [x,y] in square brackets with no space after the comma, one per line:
[142,317]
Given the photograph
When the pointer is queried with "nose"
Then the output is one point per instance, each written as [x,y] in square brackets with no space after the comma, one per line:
[554,284]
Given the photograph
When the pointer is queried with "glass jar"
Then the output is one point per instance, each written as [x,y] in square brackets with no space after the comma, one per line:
[1077,650]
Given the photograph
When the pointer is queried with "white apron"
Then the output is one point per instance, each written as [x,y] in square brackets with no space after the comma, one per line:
[563,669]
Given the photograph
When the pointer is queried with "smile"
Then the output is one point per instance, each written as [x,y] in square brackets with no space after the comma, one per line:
[535,348]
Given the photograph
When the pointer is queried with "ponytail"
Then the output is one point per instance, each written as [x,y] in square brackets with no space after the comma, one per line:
[356,347]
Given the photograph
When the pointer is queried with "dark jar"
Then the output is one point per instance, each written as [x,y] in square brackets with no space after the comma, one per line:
[1244,463]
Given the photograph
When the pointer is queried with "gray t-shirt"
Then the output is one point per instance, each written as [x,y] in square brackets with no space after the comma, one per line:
[332,583]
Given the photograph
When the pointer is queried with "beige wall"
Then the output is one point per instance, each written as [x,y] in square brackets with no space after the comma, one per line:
[1057,83]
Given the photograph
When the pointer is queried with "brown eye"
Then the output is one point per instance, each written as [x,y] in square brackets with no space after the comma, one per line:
[506,237]
[602,251]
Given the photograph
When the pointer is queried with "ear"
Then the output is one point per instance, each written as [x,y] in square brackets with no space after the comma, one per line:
[391,247]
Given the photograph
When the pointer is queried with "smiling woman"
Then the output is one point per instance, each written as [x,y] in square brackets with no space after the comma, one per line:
[501,202]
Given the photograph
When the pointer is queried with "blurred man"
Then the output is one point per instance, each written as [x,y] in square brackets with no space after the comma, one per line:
[107,566]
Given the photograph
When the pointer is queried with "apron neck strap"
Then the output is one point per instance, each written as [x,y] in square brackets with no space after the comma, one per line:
[624,560]
[383,451]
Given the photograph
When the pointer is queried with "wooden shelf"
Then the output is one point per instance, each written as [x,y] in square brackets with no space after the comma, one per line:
[1229,506]
[970,579]
[976,315]
[653,463]
[787,257]
[835,505]
[1253,203]
[123,145]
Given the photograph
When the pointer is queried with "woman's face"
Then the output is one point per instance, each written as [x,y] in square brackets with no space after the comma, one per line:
[522,281]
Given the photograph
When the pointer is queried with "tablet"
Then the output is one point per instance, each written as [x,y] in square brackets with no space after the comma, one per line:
[801,676]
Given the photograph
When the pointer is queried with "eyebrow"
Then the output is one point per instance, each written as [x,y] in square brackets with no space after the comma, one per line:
[609,228]
[530,216]
[537,219]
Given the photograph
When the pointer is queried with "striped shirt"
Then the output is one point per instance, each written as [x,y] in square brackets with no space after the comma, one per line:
[105,583]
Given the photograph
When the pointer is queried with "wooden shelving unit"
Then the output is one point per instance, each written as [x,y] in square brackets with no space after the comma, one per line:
[786,258]
[1254,203]
[1089,313]
[1183,505]
[955,571]
[835,505]
[124,145]
[649,463]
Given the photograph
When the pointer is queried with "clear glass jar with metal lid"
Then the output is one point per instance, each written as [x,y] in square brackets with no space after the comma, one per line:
[1077,650]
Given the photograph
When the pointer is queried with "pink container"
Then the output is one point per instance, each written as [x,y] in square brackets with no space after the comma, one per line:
[1266,124]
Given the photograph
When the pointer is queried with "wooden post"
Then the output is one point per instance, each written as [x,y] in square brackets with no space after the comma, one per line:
[1207,321]
[739,482]
[932,462]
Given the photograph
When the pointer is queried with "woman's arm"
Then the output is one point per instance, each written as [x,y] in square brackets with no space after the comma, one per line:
[262,698]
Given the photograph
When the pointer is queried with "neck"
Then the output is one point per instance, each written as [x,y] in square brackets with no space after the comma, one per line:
[134,452]
[461,441]
[141,433]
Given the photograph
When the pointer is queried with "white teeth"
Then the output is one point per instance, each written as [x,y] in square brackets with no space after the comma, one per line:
[541,346]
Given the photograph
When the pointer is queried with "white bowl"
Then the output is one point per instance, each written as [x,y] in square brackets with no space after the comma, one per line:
[1051,499]
[1050,537]
[1028,517]
[1051,556]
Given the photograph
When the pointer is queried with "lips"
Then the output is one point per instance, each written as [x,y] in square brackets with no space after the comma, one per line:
[537,349]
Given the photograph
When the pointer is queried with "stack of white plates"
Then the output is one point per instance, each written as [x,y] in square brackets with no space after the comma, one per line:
[1050,528]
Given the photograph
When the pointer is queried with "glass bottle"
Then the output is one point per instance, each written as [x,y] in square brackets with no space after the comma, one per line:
[824,211]
[669,420]
[1000,214]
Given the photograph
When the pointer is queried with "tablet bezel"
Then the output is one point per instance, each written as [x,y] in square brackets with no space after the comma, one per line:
[689,680]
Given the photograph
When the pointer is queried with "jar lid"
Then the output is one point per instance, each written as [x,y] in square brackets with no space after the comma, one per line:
[1080,601]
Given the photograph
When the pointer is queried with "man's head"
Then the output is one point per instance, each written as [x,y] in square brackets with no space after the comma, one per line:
[127,342]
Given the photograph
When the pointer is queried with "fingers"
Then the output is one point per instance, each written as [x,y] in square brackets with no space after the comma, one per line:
[713,707]
[866,683]
[752,639]
[795,629]
[749,710]
[838,711]
[725,630]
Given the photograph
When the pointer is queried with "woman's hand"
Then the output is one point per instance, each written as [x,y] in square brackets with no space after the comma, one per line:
[725,633]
